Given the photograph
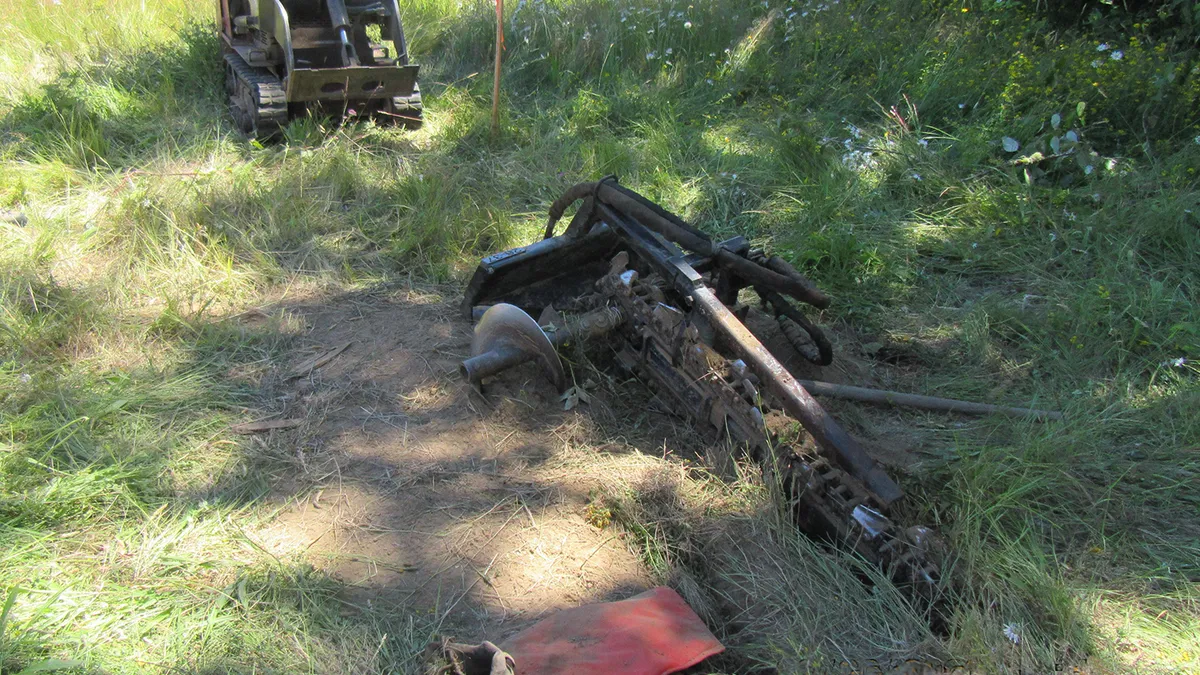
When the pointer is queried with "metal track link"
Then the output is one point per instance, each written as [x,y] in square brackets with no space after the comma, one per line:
[256,98]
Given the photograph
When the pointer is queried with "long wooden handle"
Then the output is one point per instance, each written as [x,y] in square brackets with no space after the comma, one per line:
[496,76]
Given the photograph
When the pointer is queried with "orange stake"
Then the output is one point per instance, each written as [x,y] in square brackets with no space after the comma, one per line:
[496,78]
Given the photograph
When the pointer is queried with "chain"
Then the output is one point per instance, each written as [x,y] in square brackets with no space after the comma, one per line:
[672,353]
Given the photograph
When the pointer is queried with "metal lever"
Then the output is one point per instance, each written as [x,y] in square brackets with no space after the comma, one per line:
[341,22]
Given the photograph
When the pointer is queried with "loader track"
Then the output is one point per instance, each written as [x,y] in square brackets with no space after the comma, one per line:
[256,98]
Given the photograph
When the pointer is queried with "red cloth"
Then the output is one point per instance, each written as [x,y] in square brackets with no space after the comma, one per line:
[654,633]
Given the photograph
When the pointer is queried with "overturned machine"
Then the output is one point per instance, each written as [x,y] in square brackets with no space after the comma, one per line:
[665,296]
[284,58]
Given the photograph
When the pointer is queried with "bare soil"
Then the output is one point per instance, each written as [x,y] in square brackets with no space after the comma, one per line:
[420,491]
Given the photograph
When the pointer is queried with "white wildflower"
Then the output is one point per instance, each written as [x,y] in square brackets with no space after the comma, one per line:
[669,51]
[924,143]
[650,56]
[25,378]
[1010,632]
[1117,55]
[1053,237]
[1102,47]
[687,24]
[1096,63]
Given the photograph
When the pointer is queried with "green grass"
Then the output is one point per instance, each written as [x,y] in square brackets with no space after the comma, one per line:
[123,498]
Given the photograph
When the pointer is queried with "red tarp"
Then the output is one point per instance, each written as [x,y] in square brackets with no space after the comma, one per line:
[654,633]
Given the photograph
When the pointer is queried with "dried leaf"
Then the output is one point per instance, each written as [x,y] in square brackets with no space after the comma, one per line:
[570,398]
[310,364]
[573,397]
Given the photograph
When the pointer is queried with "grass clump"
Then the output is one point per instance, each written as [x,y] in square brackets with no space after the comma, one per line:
[869,142]
[780,601]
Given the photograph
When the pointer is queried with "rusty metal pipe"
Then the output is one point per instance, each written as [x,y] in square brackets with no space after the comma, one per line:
[494,361]
[923,402]
[828,434]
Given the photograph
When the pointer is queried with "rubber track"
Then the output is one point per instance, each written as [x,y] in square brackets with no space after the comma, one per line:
[271,113]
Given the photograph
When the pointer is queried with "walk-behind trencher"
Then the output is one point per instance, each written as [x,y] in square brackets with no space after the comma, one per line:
[284,58]
[665,297]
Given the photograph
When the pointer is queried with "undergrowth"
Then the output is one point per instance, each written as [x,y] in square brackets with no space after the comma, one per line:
[1007,205]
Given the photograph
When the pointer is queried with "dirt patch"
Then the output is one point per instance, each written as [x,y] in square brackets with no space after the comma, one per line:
[421,492]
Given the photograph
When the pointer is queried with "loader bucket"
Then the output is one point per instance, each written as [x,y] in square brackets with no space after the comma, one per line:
[350,83]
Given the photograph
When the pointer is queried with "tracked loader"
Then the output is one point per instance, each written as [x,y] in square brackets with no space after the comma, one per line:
[285,58]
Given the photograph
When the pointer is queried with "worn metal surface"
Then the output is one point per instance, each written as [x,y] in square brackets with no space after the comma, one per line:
[507,335]
[350,83]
